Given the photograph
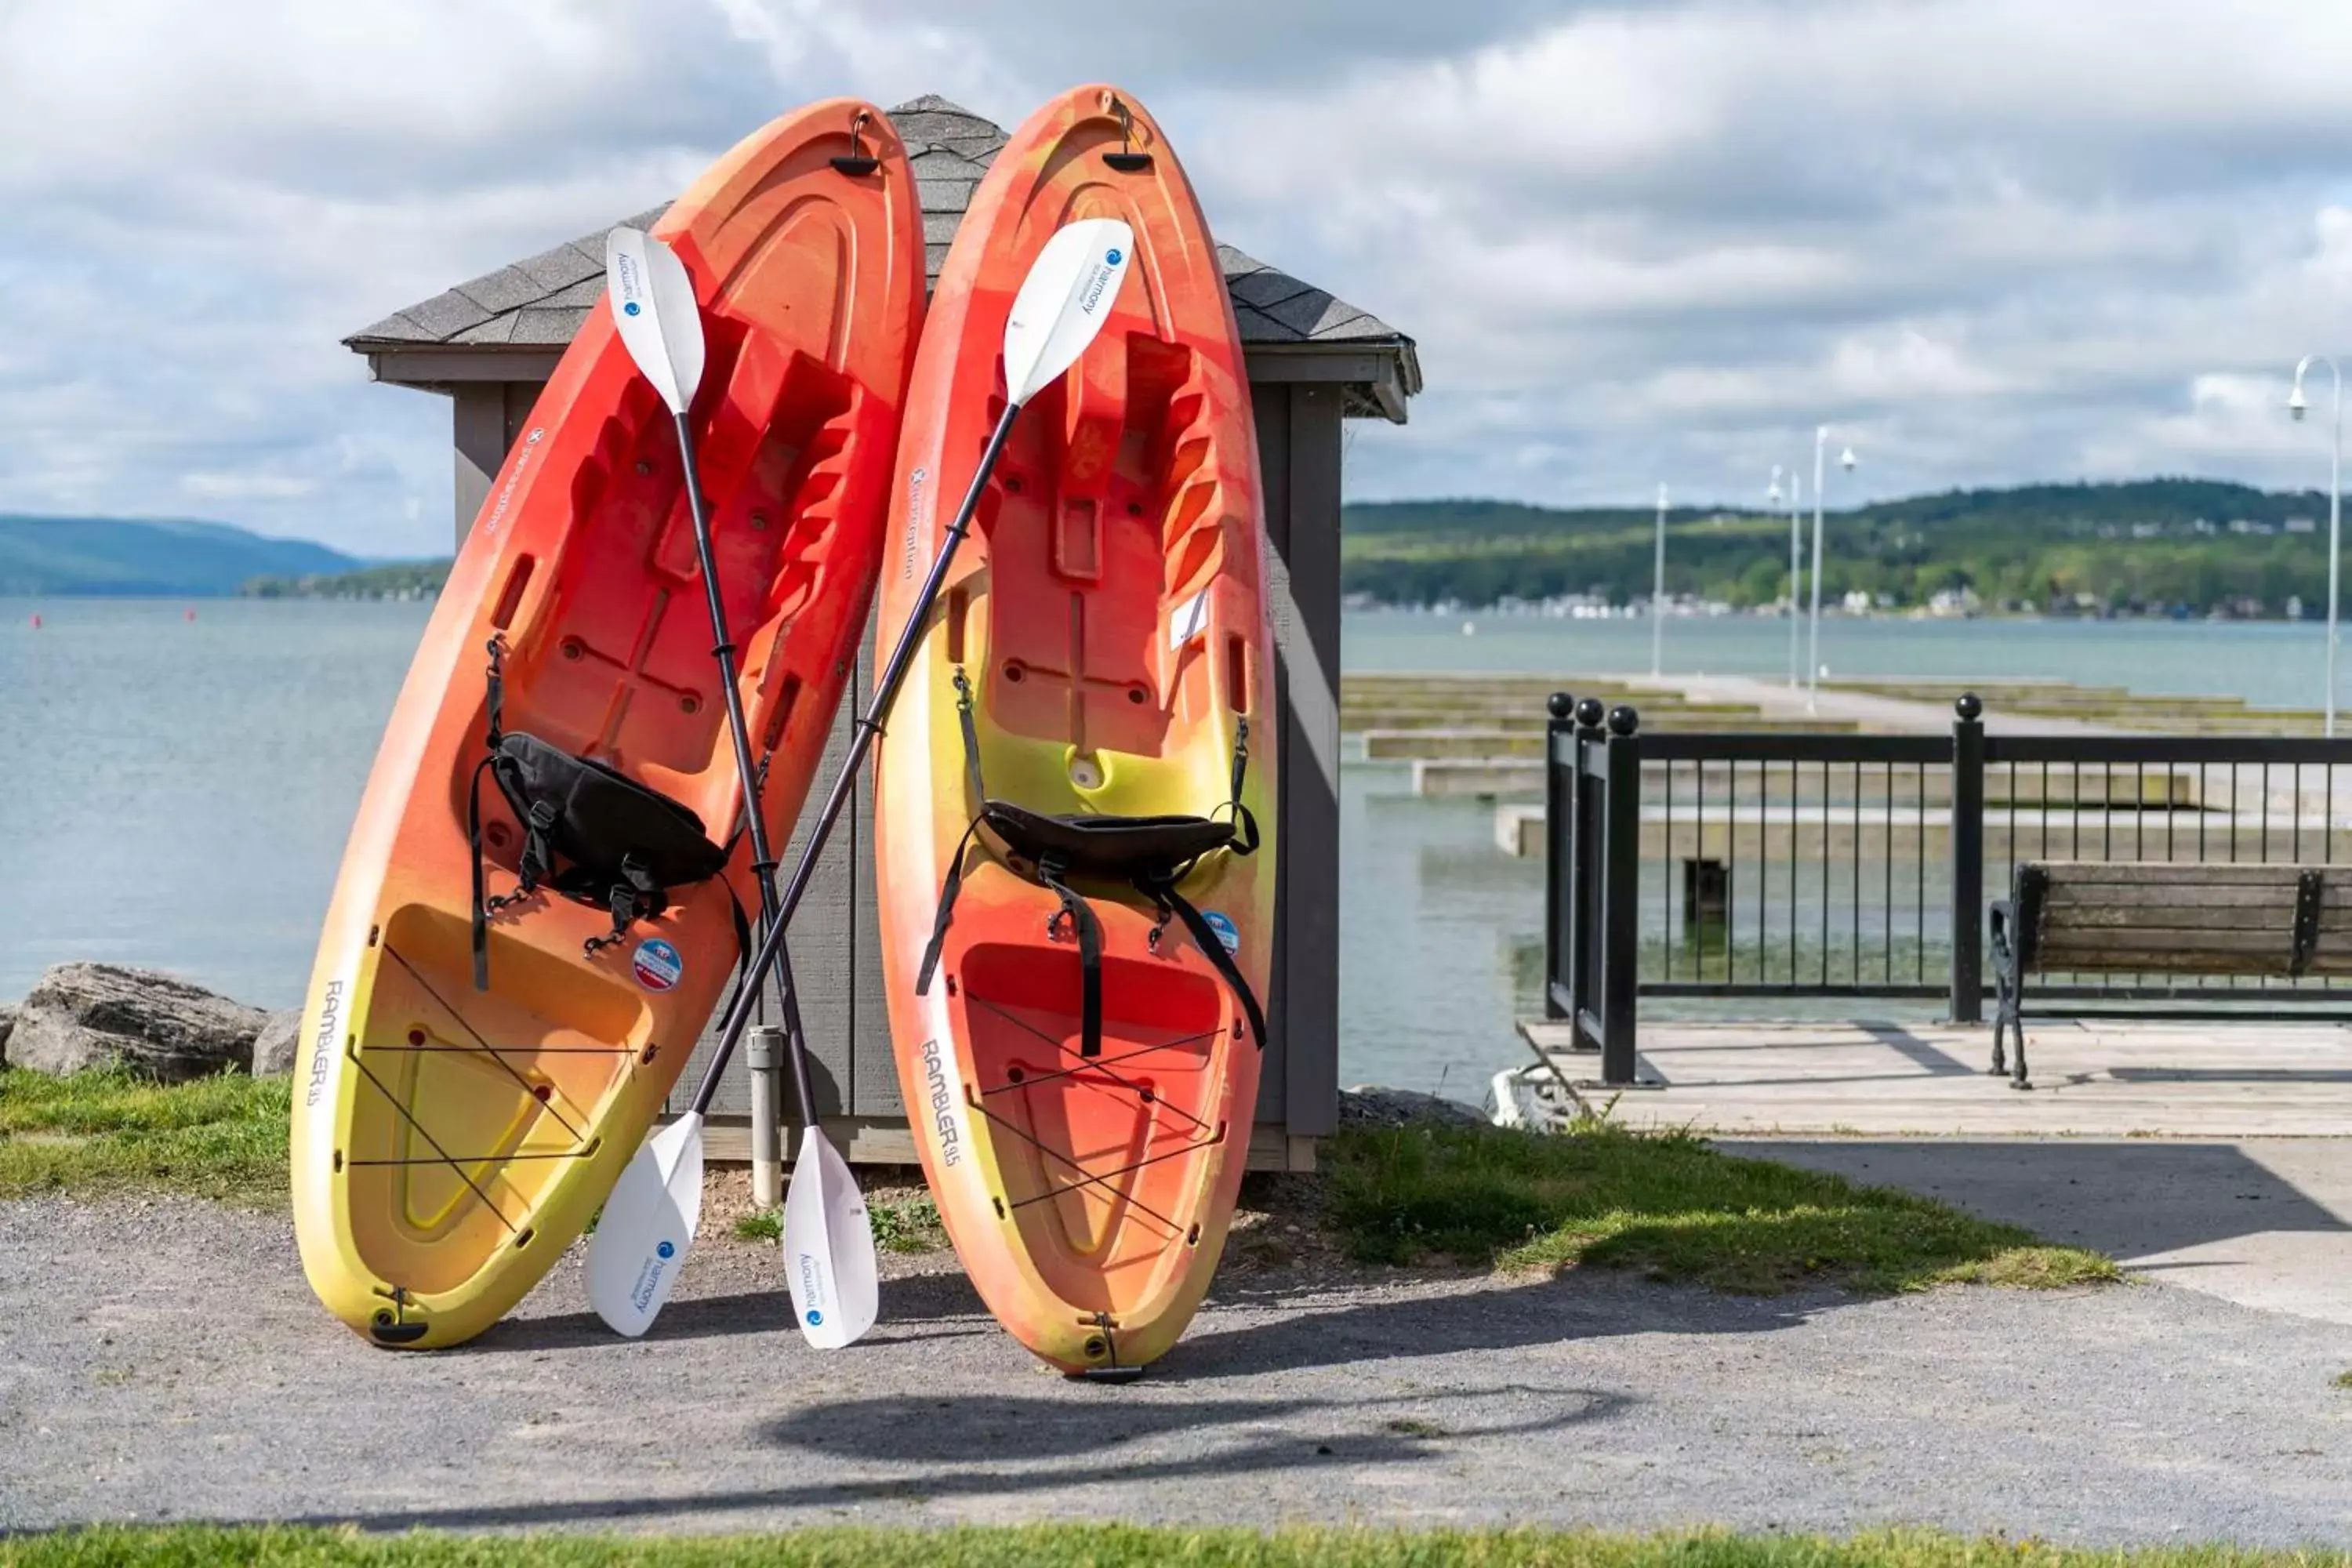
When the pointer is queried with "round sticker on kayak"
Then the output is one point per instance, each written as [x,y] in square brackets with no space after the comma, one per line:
[1228,935]
[658,964]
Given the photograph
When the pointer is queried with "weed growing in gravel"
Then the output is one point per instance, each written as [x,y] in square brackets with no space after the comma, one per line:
[910,1224]
[105,1131]
[1097,1546]
[1667,1204]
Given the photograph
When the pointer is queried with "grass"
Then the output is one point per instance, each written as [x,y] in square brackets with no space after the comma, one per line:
[1098,1546]
[1668,1205]
[106,1131]
[905,1225]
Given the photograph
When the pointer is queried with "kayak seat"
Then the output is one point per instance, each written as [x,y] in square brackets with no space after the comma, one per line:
[1150,855]
[589,832]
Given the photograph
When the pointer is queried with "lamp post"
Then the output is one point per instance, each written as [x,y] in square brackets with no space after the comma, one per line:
[1658,596]
[1796,560]
[2297,406]
[1846,460]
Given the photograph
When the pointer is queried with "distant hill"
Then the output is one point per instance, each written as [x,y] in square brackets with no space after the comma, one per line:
[108,555]
[2176,546]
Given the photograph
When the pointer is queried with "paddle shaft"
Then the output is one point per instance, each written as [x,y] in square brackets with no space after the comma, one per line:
[894,675]
[764,860]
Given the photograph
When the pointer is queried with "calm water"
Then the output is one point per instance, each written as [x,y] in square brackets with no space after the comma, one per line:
[175,793]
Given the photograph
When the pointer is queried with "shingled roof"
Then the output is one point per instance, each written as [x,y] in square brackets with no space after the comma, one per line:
[534,307]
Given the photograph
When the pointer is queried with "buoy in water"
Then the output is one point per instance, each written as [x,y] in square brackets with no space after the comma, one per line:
[1469,628]
[37,623]
[190,612]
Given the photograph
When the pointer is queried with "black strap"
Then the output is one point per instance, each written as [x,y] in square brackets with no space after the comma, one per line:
[1088,930]
[1212,948]
[970,738]
[481,904]
[633,896]
[1244,820]
[948,891]
[537,861]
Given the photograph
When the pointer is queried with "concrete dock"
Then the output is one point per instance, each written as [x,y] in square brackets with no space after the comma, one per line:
[2141,1078]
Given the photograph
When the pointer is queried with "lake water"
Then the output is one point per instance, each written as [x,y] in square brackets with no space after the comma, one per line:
[174,792]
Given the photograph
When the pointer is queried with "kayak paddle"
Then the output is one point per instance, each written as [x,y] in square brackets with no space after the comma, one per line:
[828,1243]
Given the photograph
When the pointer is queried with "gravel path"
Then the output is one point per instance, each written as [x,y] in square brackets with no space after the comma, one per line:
[164,1359]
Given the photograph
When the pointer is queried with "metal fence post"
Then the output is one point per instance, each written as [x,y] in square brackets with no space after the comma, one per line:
[1967,860]
[1621,912]
[1583,911]
[1559,731]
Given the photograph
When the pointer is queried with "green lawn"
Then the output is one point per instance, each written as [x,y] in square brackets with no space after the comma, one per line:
[1094,1546]
[1666,1205]
[97,1132]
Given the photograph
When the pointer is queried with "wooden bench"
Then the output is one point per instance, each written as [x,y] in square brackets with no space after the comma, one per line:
[2095,917]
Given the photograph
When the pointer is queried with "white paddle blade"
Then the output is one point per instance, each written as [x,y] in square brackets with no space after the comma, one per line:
[829,1248]
[653,304]
[641,1242]
[1063,301]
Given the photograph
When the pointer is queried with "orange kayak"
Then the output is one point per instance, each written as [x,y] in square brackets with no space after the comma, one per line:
[541,901]
[1073,981]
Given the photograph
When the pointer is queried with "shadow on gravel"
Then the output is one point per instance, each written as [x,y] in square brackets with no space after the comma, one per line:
[1119,1441]
[917,1299]
[1499,1317]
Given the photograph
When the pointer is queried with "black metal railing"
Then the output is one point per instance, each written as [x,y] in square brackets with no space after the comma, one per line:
[1803,864]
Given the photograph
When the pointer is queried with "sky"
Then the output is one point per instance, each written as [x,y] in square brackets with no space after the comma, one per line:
[1986,241]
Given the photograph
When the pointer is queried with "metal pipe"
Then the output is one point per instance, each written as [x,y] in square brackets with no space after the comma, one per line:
[2335,512]
[763,1045]
[1813,634]
[1796,568]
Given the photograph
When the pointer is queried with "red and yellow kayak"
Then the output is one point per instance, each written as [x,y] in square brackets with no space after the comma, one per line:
[1109,620]
[448,1141]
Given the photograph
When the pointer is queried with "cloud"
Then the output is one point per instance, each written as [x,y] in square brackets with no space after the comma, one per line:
[1986,239]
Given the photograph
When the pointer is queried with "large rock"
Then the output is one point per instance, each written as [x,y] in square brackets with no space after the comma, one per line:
[95,1015]
[274,1048]
[7,1021]
[1370,1105]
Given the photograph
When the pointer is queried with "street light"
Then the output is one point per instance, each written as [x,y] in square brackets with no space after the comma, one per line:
[1658,596]
[1796,560]
[1796,557]
[2297,406]
[1846,460]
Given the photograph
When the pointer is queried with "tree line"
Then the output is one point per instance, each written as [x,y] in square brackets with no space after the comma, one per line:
[2152,546]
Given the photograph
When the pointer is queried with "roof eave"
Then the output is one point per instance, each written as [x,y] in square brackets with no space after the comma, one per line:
[432,367]
[1379,376]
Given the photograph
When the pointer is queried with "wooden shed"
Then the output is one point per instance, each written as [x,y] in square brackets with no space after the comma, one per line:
[491,344]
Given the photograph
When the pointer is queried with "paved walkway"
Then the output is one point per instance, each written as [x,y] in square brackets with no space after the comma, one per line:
[164,1359]
[2099,1079]
[1867,711]
[2264,1222]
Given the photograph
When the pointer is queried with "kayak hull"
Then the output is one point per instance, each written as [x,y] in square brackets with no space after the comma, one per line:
[448,1143]
[1109,614]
